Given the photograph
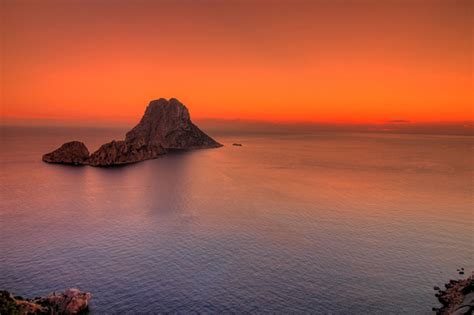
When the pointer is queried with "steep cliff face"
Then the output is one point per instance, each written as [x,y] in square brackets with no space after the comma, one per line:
[166,125]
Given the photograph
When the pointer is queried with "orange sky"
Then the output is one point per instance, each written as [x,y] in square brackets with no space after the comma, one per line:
[325,61]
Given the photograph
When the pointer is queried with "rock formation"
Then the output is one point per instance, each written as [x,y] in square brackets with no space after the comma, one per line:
[73,152]
[165,126]
[167,123]
[123,152]
[458,298]
[72,301]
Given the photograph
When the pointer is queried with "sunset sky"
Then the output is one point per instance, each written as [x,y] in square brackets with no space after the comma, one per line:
[312,61]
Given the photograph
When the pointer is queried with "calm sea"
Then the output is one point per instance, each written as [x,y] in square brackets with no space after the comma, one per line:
[321,223]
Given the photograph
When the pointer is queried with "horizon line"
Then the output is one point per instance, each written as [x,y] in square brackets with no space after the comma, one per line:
[253,126]
[12,120]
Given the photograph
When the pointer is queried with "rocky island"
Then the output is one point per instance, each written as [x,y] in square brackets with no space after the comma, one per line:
[165,126]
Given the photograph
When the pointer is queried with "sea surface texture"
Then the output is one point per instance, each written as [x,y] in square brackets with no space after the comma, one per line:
[287,223]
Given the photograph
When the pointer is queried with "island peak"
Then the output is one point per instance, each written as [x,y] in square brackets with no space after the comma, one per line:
[166,125]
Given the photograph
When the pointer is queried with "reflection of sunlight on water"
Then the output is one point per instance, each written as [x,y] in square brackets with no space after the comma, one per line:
[297,223]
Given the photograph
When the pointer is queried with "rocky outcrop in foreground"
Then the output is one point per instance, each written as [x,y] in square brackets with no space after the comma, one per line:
[458,298]
[165,126]
[72,301]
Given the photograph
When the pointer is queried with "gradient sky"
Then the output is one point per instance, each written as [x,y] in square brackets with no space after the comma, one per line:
[317,61]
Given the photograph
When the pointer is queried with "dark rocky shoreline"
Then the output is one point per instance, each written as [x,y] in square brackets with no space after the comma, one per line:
[72,301]
[457,298]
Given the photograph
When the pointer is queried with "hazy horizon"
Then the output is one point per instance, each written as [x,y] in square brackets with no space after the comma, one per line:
[247,126]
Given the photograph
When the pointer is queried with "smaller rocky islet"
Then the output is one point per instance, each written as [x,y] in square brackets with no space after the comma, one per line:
[165,126]
[73,152]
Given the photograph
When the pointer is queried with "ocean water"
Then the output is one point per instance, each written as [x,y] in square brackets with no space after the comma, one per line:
[324,223]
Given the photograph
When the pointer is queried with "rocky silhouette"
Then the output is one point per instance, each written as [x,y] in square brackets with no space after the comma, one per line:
[167,123]
[165,126]
[457,298]
[72,301]
[73,152]
[123,152]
